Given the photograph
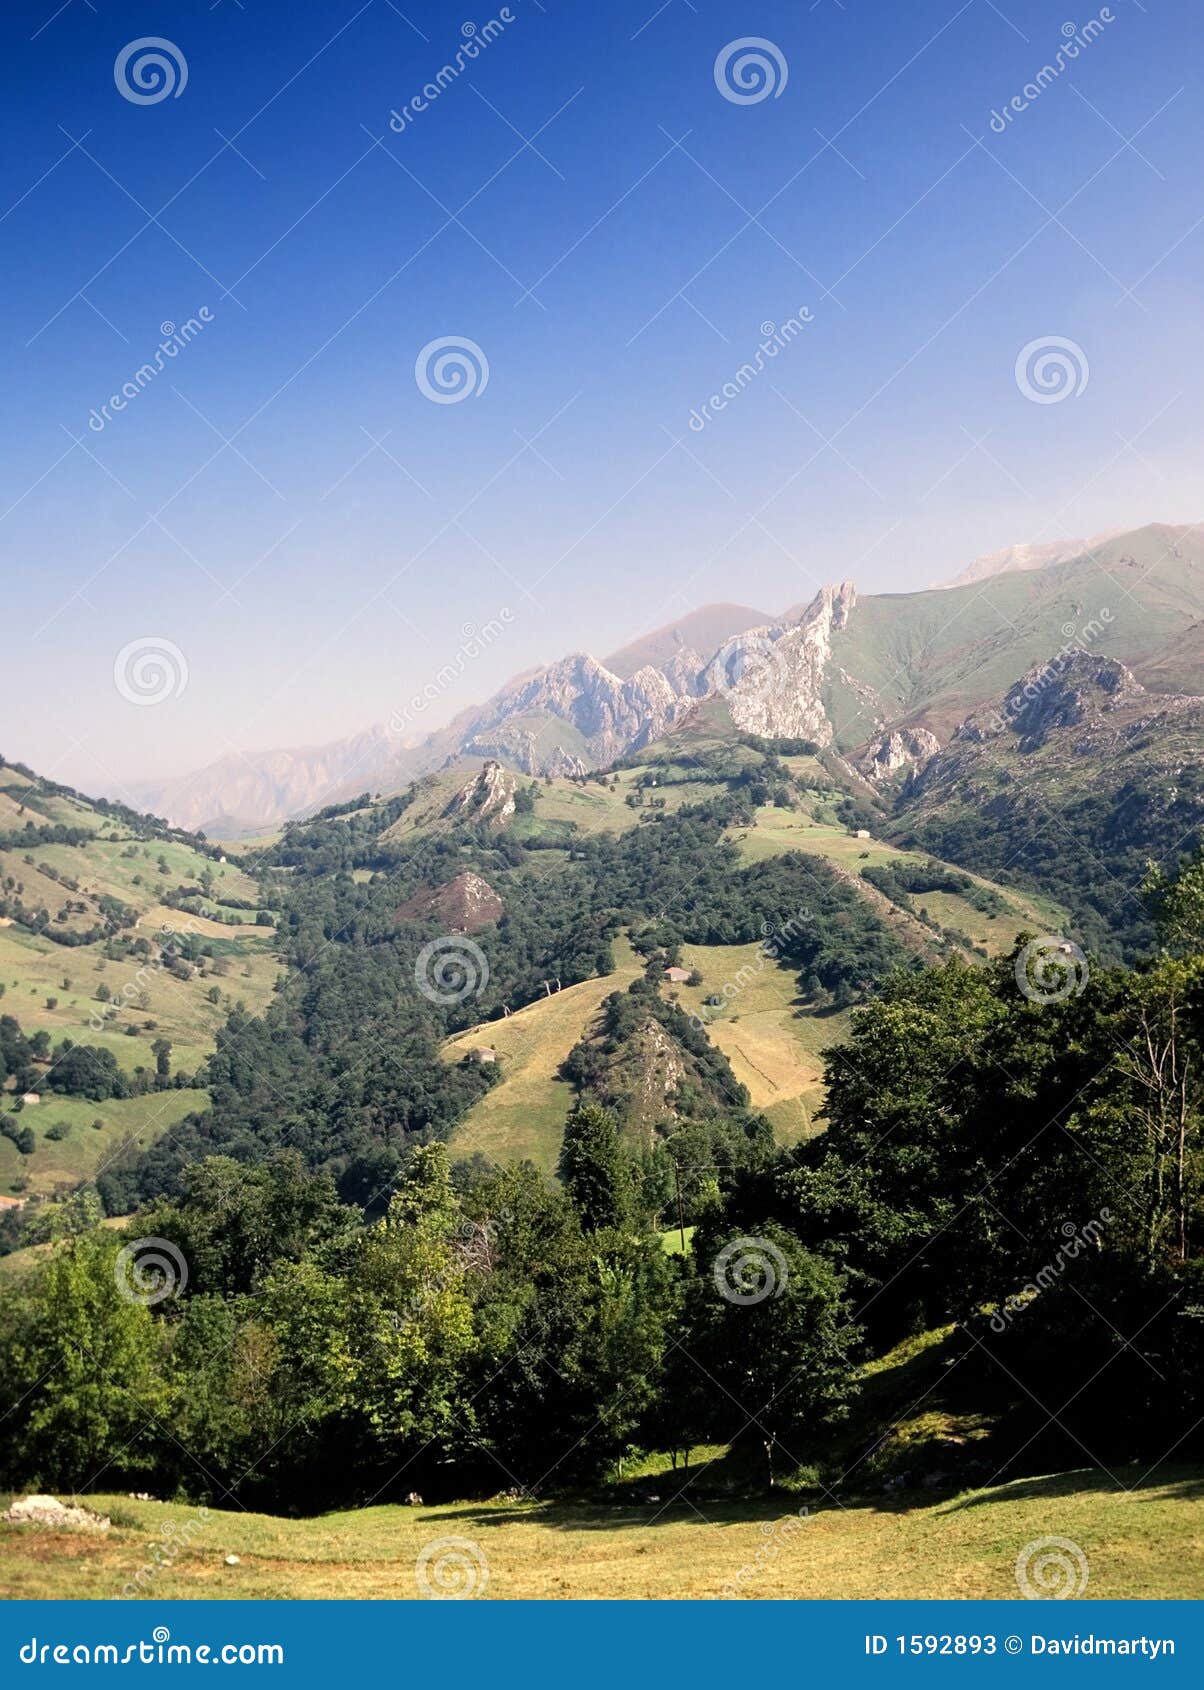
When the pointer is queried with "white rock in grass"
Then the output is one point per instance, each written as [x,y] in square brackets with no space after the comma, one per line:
[49,1511]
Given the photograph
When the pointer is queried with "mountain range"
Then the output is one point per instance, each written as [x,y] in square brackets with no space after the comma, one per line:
[884,679]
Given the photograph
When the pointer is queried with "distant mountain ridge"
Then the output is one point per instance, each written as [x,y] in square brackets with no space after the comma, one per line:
[845,670]
[1027,556]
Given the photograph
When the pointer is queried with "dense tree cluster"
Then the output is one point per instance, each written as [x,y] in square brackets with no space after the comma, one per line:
[1027,1170]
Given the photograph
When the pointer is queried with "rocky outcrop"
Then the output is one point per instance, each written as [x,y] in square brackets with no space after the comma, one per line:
[487,797]
[608,714]
[683,671]
[905,748]
[463,905]
[1064,695]
[57,1516]
[1078,689]
[530,753]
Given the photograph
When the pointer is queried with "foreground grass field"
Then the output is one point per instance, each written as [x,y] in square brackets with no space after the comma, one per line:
[1144,1541]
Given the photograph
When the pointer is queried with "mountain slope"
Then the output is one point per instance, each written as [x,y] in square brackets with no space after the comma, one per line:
[266,787]
[1072,782]
[699,633]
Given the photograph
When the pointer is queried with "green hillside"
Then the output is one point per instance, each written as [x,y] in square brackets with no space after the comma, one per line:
[1075,790]
[103,943]
[932,657]
[522,1116]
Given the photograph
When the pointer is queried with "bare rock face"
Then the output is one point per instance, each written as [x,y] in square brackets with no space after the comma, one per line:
[464,905]
[773,677]
[611,715]
[529,753]
[1081,690]
[487,797]
[49,1511]
[683,671]
[906,748]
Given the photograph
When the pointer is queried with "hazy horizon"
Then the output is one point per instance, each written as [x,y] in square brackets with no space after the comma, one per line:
[292,503]
[413,730]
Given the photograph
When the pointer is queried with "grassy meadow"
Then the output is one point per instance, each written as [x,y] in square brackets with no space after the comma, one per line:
[771,1039]
[1142,1537]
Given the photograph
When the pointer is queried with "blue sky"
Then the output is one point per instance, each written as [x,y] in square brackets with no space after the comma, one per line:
[284,504]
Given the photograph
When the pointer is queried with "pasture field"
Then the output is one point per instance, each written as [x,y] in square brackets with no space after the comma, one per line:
[778,831]
[123,1005]
[523,1115]
[33,971]
[771,1039]
[87,1147]
[773,1051]
[1142,1536]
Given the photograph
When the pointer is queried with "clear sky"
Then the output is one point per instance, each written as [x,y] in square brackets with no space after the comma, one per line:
[284,503]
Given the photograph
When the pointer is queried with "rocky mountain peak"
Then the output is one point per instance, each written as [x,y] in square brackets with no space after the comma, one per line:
[841,601]
[905,748]
[773,677]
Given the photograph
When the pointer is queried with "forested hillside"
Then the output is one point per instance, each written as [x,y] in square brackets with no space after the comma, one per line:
[337,1264]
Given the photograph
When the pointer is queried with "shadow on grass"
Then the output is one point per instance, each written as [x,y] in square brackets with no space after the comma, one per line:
[1181,1484]
[587,1515]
